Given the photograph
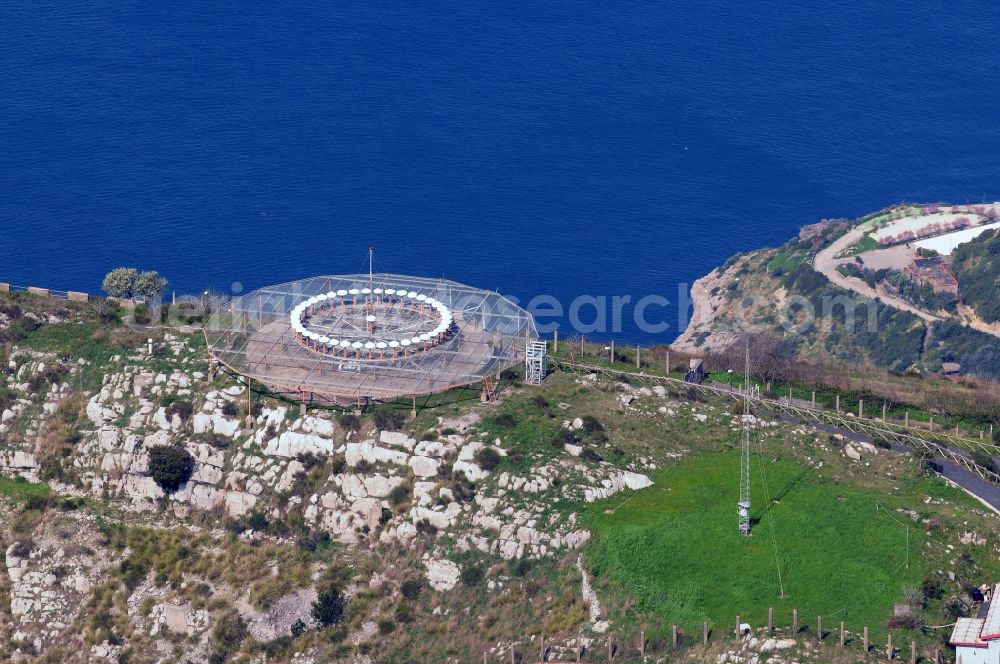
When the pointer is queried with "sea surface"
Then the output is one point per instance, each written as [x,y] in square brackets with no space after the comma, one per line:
[538,148]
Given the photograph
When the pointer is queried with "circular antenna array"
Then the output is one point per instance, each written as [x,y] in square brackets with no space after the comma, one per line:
[371,323]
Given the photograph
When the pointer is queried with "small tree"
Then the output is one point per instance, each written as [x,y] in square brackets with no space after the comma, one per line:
[170,465]
[328,609]
[150,285]
[121,282]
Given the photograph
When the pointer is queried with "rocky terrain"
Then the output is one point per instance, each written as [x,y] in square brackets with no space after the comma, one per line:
[445,537]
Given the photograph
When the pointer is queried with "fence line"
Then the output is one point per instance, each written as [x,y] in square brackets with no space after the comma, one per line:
[939,444]
[623,648]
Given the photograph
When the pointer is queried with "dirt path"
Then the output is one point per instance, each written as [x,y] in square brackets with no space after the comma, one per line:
[826,264]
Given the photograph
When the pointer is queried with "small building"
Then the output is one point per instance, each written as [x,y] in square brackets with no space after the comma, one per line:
[950,368]
[696,371]
[933,271]
[977,640]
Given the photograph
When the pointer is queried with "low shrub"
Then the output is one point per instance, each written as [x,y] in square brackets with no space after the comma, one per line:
[505,420]
[561,438]
[471,576]
[410,588]
[400,494]
[181,408]
[388,419]
[350,422]
[487,458]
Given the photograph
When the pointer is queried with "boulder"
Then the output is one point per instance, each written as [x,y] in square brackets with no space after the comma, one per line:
[293,443]
[442,574]
[397,439]
[424,466]
[239,503]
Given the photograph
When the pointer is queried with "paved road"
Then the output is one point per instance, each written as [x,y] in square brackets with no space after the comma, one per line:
[986,491]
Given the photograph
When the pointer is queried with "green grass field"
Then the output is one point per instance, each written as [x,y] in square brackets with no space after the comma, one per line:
[676,550]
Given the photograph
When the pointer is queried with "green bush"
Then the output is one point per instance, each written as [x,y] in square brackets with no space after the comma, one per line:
[170,466]
[471,576]
[328,609]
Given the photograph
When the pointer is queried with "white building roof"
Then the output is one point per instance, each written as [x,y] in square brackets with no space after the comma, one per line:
[966,633]
[991,625]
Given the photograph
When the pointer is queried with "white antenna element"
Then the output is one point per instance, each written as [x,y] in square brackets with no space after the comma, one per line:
[743,506]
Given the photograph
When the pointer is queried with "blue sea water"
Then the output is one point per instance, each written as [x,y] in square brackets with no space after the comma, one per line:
[558,148]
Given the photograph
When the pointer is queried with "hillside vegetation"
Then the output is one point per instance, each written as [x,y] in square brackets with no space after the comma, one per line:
[778,293]
[977,268]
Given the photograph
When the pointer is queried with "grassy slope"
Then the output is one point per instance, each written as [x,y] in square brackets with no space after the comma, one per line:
[675,548]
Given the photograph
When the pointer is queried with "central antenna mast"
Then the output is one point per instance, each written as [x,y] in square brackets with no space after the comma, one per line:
[371,265]
[743,506]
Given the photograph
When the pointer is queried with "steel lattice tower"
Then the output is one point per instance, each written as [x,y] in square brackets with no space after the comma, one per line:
[743,506]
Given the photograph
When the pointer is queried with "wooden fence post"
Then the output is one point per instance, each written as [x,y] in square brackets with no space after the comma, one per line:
[885,410]
[906,421]
[770,618]
[611,648]
[642,643]
[612,350]
[819,627]
[913,652]
[739,621]
[861,407]
[867,642]
[579,646]
[841,633]
[837,404]
[704,633]
[541,649]
[512,660]
[795,622]
[814,400]
[555,341]
[889,651]
[638,365]
[673,634]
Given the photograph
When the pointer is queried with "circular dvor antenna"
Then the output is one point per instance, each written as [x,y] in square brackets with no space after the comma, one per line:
[354,338]
[371,319]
